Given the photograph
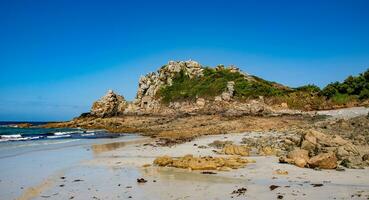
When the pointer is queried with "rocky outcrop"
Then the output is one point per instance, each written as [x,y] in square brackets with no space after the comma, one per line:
[150,84]
[202,163]
[109,105]
[325,152]
[149,101]
[239,150]
[228,94]
[298,157]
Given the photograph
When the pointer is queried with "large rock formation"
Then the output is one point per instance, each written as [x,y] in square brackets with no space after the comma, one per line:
[149,101]
[150,84]
[109,105]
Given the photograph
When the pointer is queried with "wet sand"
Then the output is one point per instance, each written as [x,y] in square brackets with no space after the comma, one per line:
[113,172]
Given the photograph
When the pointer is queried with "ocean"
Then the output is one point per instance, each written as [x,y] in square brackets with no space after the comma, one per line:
[10,133]
[30,156]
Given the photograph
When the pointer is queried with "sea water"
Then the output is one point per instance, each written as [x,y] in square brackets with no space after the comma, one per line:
[29,155]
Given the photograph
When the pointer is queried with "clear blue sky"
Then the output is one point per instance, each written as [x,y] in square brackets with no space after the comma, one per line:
[57,57]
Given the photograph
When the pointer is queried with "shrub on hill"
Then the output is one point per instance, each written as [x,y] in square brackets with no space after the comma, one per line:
[355,86]
[213,83]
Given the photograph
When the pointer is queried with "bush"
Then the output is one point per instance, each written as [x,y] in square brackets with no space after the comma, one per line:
[212,84]
[342,98]
[352,85]
[309,88]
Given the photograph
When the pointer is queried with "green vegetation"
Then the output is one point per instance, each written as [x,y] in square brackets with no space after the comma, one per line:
[309,88]
[352,87]
[213,83]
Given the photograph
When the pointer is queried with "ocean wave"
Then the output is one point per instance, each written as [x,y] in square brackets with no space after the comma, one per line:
[58,136]
[11,136]
[88,134]
[67,132]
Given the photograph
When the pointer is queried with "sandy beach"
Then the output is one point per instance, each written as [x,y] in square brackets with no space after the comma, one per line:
[110,169]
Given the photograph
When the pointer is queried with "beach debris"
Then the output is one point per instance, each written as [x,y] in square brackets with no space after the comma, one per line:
[208,172]
[77,180]
[63,177]
[273,187]
[240,191]
[280,197]
[146,165]
[281,172]
[317,184]
[62,185]
[232,149]
[202,163]
[141,180]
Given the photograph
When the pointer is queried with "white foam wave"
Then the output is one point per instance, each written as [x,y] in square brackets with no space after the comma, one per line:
[57,136]
[67,132]
[88,134]
[11,136]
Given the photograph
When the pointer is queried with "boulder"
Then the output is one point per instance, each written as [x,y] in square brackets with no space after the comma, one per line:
[236,150]
[228,94]
[324,161]
[202,163]
[298,153]
[298,157]
[200,102]
[109,105]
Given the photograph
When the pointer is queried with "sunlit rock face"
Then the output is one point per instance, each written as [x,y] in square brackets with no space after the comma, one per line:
[150,84]
[109,105]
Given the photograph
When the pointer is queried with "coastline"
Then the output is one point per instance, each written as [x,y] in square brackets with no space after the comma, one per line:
[110,168]
[113,175]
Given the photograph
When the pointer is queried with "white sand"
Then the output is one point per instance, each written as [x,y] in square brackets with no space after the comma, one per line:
[112,174]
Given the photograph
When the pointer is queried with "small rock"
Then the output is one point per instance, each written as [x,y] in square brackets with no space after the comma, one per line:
[281,172]
[141,180]
[240,191]
[273,187]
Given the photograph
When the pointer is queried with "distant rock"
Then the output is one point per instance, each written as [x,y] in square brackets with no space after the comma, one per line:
[24,125]
[109,105]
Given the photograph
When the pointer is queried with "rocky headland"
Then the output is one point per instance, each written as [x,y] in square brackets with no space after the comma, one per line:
[184,100]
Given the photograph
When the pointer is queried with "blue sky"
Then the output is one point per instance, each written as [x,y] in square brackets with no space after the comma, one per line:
[57,57]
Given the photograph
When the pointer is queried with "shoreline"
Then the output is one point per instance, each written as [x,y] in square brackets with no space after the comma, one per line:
[113,175]
[110,168]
